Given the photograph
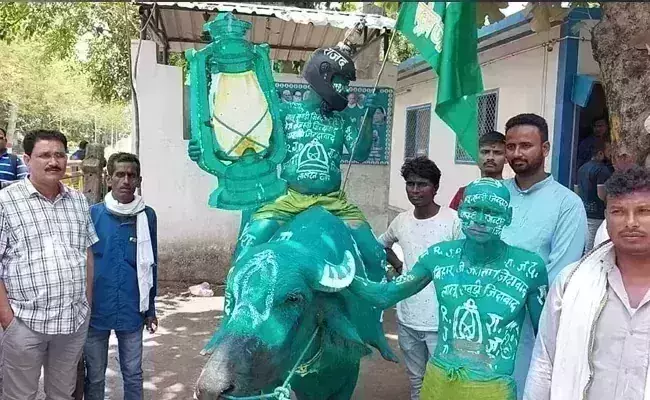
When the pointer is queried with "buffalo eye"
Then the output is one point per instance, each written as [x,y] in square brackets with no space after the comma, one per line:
[294,298]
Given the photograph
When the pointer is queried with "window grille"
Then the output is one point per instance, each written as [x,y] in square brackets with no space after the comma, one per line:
[488,105]
[418,124]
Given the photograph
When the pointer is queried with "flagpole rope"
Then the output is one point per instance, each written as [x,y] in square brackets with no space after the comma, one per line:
[365,115]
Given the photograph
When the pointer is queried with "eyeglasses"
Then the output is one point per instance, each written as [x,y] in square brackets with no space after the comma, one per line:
[57,156]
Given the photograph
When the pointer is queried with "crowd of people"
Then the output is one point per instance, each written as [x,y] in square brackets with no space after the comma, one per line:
[470,303]
[71,274]
[499,295]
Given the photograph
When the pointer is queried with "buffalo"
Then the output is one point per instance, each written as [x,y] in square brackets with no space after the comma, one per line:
[278,296]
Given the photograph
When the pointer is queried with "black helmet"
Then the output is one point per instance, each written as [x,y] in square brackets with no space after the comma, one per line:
[320,70]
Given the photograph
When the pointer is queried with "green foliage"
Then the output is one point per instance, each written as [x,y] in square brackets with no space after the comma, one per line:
[488,12]
[403,49]
[54,93]
[95,35]
[545,13]
[178,60]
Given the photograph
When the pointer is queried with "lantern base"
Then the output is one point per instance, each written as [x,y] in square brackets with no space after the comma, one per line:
[248,183]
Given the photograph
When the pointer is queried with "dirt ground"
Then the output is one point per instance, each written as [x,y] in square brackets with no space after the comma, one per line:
[172,362]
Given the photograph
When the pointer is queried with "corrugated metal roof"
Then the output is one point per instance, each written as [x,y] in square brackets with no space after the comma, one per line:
[292,33]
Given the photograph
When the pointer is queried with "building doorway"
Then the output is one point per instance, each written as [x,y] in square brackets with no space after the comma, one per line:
[596,108]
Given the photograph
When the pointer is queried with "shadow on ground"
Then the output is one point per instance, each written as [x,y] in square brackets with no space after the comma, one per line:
[172,363]
[171,359]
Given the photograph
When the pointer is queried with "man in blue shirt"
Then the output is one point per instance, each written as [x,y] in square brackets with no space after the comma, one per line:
[12,168]
[547,218]
[591,175]
[125,279]
[80,154]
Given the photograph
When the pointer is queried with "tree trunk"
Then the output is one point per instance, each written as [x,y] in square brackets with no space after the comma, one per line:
[621,46]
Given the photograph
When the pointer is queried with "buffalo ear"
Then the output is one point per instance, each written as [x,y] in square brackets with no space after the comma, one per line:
[329,277]
[339,324]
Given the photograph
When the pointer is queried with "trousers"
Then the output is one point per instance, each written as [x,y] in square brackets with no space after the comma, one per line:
[27,351]
[417,347]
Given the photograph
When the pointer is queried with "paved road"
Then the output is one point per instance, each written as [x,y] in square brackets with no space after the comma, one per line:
[172,362]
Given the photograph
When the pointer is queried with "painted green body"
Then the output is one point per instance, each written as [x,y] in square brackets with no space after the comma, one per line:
[484,288]
[314,144]
[308,143]
[296,251]
[277,295]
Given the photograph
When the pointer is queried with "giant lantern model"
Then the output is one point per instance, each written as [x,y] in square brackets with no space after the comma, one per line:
[234,115]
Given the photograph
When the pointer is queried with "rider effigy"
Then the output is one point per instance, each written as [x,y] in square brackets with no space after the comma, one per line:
[299,247]
[315,132]
[484,287]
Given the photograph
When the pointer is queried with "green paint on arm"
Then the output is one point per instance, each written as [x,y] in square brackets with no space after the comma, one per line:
[537,295]
[387,294]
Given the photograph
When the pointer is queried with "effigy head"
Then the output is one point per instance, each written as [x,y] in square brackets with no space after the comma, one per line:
[329,72]
[278,296]
[485,210]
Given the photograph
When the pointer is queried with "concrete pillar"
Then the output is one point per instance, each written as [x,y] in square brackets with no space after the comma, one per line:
[368,185]
[369,60]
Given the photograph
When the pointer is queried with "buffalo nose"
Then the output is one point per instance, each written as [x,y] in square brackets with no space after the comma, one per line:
[209,393]
[212,384]
[203,394]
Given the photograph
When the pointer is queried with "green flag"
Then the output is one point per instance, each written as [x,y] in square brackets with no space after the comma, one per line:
[446,36]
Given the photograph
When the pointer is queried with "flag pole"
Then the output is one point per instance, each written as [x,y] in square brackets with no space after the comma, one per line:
[365,115]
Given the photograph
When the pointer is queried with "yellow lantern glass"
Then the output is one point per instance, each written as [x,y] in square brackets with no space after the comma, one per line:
[231,96]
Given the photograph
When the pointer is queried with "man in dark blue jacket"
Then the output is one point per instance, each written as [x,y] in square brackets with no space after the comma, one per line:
[126,259]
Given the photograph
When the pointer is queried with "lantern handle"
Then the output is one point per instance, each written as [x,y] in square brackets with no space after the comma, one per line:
[199,96]
[277,150]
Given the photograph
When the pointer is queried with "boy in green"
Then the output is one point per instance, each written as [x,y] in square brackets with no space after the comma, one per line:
[484,287]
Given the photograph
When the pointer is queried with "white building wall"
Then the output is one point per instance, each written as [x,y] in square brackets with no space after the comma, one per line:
[189,233]
[525,75]
[587,65]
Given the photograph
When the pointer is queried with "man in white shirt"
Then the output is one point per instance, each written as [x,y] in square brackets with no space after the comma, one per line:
[595,329]
[415,231]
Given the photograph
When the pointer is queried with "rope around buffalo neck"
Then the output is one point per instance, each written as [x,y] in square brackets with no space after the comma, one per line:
[281,392]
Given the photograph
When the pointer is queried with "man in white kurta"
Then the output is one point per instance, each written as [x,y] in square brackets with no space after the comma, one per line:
[594,333]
